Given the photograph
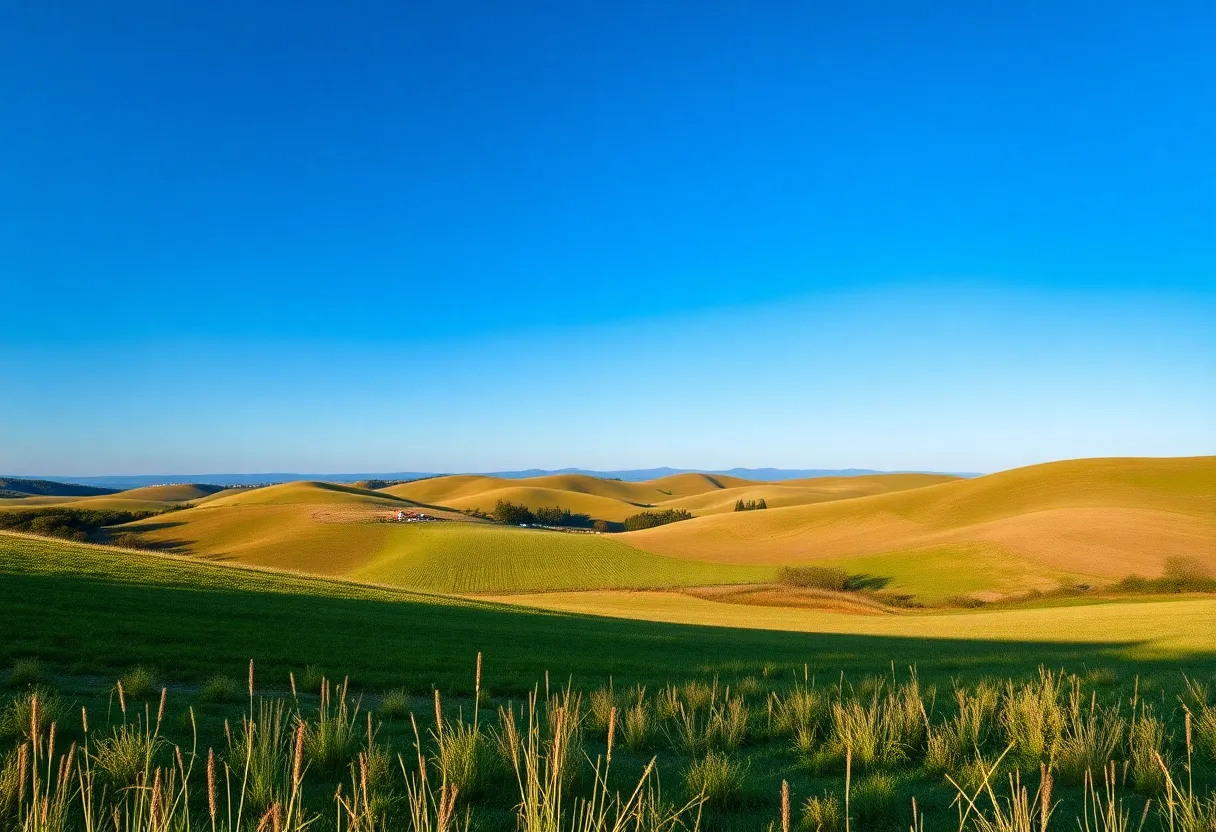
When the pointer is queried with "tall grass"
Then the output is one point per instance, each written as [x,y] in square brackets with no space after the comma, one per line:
[546,805]
[125,775]
[330,738]
[1032,719]
[1092,734]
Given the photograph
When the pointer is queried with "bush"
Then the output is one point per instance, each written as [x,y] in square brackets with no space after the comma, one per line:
[821,814]
[130,540]
[220,689]
[650,519]
[814,577]
[750,505]
[26,672]
[139,683]
[716,778]
[873,801]
[18,713]
[394,704]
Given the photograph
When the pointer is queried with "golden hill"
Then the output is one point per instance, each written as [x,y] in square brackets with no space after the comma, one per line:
[179,493]
[305,493]
[615,500]
[1096,519]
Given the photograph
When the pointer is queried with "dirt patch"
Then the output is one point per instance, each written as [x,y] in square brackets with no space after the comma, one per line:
[776,595]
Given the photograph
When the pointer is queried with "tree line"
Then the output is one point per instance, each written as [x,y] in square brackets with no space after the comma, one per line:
[515,514]
[650,519]
[750,505]
[77,524]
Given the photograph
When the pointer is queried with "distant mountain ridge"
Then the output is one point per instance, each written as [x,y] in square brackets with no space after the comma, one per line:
[106,483]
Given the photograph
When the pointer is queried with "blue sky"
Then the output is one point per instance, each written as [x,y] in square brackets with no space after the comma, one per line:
[460,236]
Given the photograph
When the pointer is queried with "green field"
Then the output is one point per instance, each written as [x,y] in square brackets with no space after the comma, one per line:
[92,609]
[89,614]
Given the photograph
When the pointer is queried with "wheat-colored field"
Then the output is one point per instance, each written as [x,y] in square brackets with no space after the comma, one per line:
[1100,518]
[1147,629]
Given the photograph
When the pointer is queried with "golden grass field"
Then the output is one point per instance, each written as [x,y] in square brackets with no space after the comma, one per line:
[1081,521]
[1096,519]
[1159,629]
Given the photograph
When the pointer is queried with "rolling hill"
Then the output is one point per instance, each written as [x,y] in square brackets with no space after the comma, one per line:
[614,500]
[1090,520]
[326,529]
[1076,522]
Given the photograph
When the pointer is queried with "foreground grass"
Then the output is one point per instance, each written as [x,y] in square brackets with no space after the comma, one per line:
[871,753]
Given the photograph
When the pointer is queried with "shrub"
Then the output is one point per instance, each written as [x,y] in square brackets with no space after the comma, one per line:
[1032,718]
[814,577]
[17,715]
[127,753]
[261,751]
[394,704]
[462,756]
[600,705]
[638,730]
[873,801]
[716,778]
[220,688]
[28,671]
[1146,745]
[1091,737]
[800,715]
[821,814]
[330,739]
[139,683]
[727,728]
[312,678]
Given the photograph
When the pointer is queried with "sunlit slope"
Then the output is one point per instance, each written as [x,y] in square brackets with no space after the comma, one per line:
[615,500]
[114,502]
[601,508]
[1104,518]
[480,558]
[466,488]
[341,537]
[805,491]
[305,492]
[179,493]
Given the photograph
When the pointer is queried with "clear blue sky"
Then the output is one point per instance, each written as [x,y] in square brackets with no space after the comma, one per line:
[458,236]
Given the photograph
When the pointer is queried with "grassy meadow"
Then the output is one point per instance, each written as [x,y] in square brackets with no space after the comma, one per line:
[465,674]
[711,720]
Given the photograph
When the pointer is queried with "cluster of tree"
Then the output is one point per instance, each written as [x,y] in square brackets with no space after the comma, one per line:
[558,516]
[650,519]
[1179,575]
[816,577]
[750,505]
[68,523]
[507,512]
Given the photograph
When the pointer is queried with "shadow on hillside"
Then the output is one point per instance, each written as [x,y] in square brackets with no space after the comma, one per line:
[867,582]
[189,622]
